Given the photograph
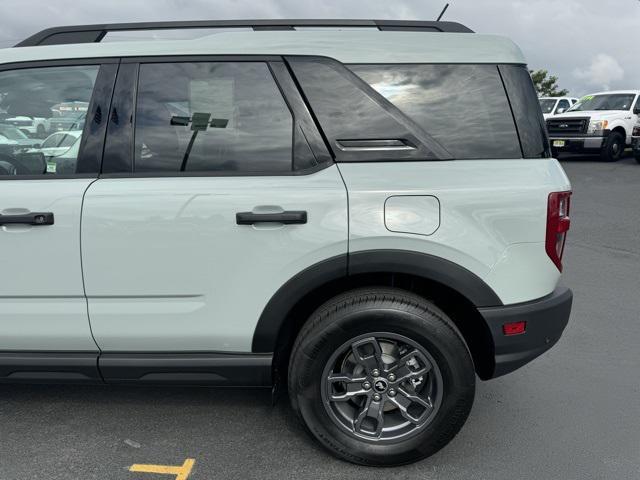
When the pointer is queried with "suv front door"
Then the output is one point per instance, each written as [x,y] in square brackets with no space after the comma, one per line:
[42,301]
[219,192]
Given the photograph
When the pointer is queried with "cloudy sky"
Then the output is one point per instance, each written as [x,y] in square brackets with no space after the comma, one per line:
[590,44]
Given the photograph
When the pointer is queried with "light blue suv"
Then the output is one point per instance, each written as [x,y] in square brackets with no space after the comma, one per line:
[365,212]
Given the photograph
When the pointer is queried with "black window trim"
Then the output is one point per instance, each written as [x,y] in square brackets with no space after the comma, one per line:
[291,96]
[546,153]
[511,109]
[99,145]
[301,111]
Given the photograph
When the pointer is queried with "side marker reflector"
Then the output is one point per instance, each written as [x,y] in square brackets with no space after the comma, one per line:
[515,328]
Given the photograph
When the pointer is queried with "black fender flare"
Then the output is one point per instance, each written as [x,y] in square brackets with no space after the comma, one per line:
[429,267]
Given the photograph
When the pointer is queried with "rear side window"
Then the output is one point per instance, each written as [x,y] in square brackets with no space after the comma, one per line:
[211,116]
[360,124]
[526,110]
[32,102]
[464,107]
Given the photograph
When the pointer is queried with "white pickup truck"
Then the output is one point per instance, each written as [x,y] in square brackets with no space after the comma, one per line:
[605,122]
[556,105]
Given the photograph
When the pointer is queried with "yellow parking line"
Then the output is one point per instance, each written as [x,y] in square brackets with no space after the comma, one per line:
[182,472]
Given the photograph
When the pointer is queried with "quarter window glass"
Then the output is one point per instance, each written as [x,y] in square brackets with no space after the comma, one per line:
[526,110]
[360,124]
[563,105]
[464,107]
[204,117]
[42,115]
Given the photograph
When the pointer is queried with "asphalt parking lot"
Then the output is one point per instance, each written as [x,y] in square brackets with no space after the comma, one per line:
[572,414]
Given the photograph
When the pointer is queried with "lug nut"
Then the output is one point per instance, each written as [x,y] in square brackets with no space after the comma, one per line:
[377,397]
[392,377]
[391,393]
[375,372]
[366,385]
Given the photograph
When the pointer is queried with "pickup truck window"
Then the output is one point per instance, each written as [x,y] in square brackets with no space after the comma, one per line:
[616,101]
[547,105]
[211,116]
[30,103]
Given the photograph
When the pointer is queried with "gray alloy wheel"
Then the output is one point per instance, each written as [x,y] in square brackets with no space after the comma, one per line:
[382,387]
[381,376]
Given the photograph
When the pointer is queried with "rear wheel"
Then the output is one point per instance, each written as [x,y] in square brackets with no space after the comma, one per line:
[613,148]
[381,377]
[637,156]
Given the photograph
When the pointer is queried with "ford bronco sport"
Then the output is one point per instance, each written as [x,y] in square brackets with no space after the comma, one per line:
[281,205]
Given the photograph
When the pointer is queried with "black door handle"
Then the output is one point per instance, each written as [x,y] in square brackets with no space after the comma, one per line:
[36,218]
[288,218]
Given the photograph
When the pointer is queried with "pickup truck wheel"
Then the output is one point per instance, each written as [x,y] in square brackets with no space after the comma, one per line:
[40,131]
[637,156]
[381,377]
[613,148]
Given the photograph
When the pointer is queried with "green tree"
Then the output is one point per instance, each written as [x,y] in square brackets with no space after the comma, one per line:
[547,85]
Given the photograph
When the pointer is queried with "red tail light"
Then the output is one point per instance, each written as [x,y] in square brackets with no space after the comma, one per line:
[558,224]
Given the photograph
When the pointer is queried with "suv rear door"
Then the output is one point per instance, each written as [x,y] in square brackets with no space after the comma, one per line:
[217,188]
[42,302]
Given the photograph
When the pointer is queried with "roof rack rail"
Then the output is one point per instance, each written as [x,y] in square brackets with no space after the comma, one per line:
[95,33]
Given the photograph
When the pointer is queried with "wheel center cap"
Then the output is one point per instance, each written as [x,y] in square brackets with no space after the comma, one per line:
[380,386]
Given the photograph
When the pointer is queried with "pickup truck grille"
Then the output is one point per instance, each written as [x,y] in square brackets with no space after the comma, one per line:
[567,126]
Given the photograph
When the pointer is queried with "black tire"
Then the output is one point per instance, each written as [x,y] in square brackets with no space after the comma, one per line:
[404,317]
[40,131]
[637,156]
[613,148]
